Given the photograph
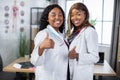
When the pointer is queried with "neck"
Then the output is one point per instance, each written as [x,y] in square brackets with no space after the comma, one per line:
[56,29]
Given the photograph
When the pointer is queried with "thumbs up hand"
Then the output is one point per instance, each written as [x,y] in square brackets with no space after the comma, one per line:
[47,43]
[72,54]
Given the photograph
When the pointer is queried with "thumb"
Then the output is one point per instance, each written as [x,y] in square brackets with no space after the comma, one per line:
[47,35]
[74,48]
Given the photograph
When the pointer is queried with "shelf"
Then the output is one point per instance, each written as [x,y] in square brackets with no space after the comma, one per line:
[35,14]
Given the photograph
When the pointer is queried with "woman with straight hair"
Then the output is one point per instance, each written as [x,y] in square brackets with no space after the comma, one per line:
[83,40]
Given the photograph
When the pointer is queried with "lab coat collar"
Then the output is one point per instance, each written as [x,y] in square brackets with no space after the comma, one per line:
[53,31]
[80,33]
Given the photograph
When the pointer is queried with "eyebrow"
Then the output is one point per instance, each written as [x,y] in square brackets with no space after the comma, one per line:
[55,13]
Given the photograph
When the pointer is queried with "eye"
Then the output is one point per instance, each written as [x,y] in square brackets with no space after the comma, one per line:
[78,14]
[71,15]
[60,14]
[52,15]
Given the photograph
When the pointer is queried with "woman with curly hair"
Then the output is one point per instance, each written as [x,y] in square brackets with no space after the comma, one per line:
[50,54]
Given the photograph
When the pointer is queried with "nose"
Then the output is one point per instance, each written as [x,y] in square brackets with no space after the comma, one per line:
[74,17]
[57,16]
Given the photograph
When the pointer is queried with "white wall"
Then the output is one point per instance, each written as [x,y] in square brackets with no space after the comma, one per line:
[9,41]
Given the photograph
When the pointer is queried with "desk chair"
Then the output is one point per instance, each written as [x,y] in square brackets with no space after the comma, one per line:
[5,75]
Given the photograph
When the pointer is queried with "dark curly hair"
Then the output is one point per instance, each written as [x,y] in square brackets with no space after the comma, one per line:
[44,17]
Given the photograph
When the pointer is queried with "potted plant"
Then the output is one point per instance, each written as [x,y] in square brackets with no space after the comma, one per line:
[23,45]
[93,22]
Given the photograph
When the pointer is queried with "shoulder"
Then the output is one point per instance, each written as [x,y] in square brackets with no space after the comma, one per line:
[90,31]
[41,34]
[89,28]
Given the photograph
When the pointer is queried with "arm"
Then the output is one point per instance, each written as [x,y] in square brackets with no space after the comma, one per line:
[91,43]
[36,59]
[42,42]
[47,43]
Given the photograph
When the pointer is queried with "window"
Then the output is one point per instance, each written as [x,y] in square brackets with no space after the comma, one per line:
[102,11]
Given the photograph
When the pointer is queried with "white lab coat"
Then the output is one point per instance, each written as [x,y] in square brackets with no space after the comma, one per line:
[86,43]
[52,64]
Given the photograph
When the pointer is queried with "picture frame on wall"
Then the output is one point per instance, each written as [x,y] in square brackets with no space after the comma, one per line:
[36,15]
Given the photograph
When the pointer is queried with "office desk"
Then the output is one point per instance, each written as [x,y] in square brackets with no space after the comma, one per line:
[10,67]
[103,70]
[99,70]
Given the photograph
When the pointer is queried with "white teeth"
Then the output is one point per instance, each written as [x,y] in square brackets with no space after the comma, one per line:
[57,21]
[76,22]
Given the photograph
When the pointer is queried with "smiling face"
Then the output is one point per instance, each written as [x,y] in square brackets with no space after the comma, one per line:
[55,18]
[77,17]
